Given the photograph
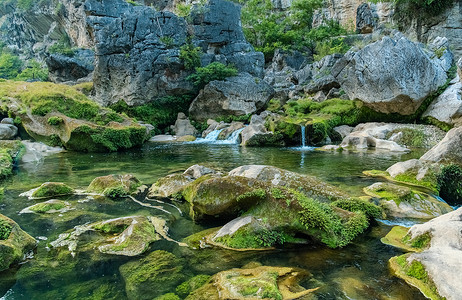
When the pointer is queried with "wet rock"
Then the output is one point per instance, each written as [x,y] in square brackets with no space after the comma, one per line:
[196,171]
[7,121]
[48,207]
[8,131]
[264,282]
[226,133]
[237,96]
[439,257]
[400,75]
[49,190]
[447,107]
[152,276]
[35,152]
[107,184]
[14,243]
[256,134]
[127,236]
[403,202]
[183,126]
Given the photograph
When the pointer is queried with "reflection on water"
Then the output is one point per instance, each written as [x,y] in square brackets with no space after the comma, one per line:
[358,271]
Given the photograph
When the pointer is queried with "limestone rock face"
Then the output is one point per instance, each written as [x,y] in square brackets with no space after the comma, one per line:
[448,150]
[447,107]
[62,68]
[183,126]
[393,75]
[15,246]
[237,96]
[366,18]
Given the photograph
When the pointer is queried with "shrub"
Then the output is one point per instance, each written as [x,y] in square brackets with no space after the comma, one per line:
[449,184]
[213,71]
[5,230]
[55,120]
[191,56]
[62,48]
[115,192]
[369,209]
[10,66]
[33,71]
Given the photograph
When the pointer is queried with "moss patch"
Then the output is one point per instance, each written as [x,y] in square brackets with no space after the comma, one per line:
[10,152]
[192,284]
[5,229]
[415,274]
[114,186]
[46,207]
[52,189]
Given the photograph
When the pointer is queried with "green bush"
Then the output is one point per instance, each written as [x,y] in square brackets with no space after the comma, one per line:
[191,56]
[213,71]
[10,66]
[115,192]
[62,48]
[5,230]
[33,71]
[449,184]
[354,204]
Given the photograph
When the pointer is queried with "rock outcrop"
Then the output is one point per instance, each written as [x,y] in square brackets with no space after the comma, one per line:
[393,75]
[237,96]
[183,126]
[75,69]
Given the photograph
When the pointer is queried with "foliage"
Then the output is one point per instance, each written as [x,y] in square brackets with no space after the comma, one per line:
[6,163]
[168,41]
[354,204]
[115,192]
[61,48]
[213,71]
[191,56]
[255,195]
[449,184]
[191,285]
[10,66]
[5,229]
[169,296]
[182,9]
[329,47]
[410,137]
[33,71]
[161,112]
[55,120]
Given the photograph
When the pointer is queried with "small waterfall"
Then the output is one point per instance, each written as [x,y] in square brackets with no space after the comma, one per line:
[212,138]
[234,137]
[303,136]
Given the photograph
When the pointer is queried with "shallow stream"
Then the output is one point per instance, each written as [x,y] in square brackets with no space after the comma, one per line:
[358,271]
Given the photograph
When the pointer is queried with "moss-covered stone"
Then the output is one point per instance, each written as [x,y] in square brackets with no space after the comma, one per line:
[114,186]
[84,125]
[51,206]
[192,284]
[10,152]
[257,283]
[169,296]
[52,189]
[14,242]
[152,276]
[414,273]
[398,237]
[404,202]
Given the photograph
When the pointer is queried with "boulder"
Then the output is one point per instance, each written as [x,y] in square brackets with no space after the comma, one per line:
[15,243]
[78,68]
[8,131]
[447,108]
[49,190]
[183,126]
[237,96]
[106,185]
[459,68]
[256,283]
[227,132]
[153,275]
[448,150]
[321,78]
[35,151]
[403,202]
[393,75]
[7,121]
[343,130]
[256,134]
[48,207]
[366,19]
[196,171]
[126,236]
[439,257]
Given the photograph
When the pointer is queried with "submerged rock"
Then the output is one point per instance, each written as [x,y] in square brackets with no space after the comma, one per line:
[14,243]
[49,190]
[258,283]
[435,270]
[48,207]
[154,275]
[114,186]
[403,202]
[127,236]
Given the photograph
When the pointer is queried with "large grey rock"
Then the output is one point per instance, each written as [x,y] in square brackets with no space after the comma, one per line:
[448,150]
[183,126]
[443,259]
[321,78]
[393,75]
[256,130]
[447,107]
[8,131]
[238,96]
[63,68]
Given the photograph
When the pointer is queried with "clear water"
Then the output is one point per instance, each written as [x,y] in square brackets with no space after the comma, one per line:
[358,271]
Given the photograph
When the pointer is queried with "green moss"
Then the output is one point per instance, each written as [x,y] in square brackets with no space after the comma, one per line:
[6,163]
[213,71]
[354,204]
[55,120]
[420,242]
[248,237]
[110,227]
[376,173]
[441,125]
[429,181]
[410,137]
[52,189]
[262,287]
[45,207]
[192,284]
[2,193]
[115,192]
[169,296]
[449,184]
[5,229]
[195,239]
[254,196]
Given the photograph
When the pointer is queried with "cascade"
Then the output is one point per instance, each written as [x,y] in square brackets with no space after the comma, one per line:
[303,136]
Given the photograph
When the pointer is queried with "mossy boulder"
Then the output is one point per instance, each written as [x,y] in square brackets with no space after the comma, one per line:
[404,202]
[14,243]
[169,185]
[192,284]
[114,186]
[10,152]
[256,283]
[127,236]
[152,276]
[50,189]
[84,125]
[398,237]
[48,207]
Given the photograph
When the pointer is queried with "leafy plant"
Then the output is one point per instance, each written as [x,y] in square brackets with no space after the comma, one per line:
[5,229]
[61,48]
[191,56]
[213,71]
[55,120]
[449,184]
[10,66]
[115,192]
[33,71]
